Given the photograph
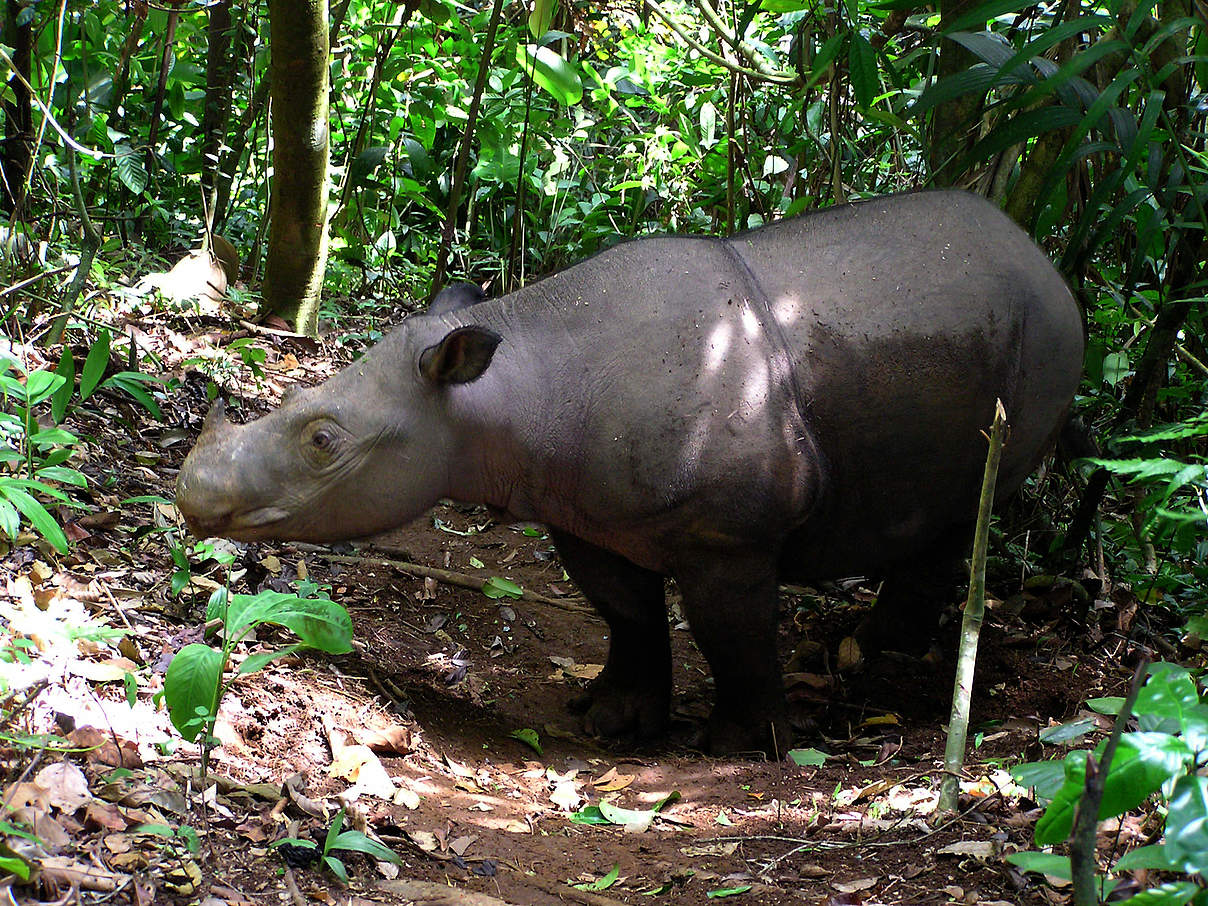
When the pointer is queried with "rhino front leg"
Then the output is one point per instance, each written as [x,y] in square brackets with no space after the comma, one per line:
[731,603]
[632,695]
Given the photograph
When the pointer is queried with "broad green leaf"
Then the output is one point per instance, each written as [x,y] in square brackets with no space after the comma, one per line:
[1143,762]
[540,18]
[41,520]
[52,436]
[62,397]
[1068,732]
[256,662]
[1187,824]
[552,73]
[1110,704]
[318,623]
[130,169]
[365,163]
[1172,893]
[862,63]
[41,384]
[720,892]
[811,758]
[95,365]
[63,475]
[529,737]
[1152,858]
[589,814]
[499,587]
[191,688]
[602,883]
[1043,863]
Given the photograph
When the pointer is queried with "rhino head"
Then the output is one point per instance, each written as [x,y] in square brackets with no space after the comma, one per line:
[367,451]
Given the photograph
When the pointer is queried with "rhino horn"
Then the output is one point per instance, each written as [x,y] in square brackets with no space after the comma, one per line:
[215,420]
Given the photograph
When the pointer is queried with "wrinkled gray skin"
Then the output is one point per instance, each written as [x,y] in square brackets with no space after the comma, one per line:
[801,401]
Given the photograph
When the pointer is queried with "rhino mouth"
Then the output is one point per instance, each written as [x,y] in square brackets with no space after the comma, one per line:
[252,523]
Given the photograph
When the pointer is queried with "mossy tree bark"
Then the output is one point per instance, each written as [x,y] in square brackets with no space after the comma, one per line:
[297,243]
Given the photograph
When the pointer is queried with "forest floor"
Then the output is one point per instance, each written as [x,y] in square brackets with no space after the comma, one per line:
[415,734]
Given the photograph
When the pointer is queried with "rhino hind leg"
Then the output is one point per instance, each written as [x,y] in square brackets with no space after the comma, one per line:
[913,596]
[631,697]
[731,603]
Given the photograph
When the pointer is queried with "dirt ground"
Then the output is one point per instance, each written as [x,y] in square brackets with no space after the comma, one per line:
[417,733]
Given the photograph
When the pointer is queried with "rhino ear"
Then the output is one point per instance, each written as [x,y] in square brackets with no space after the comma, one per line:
[456,296]
[462,356]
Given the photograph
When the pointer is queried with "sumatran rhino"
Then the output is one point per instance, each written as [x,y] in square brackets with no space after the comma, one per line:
[801,401]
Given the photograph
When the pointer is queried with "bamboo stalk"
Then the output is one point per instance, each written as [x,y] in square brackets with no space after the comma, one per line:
[962,691]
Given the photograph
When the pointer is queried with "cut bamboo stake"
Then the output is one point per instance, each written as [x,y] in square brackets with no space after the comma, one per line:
[966,660]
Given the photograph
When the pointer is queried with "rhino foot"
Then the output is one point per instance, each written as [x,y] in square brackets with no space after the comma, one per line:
[763,730]
[619,709]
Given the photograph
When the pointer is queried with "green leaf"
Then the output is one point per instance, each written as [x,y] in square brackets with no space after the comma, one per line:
[355,841]
[130,169]
[497,587]
[95,365]
[52,436]
[256,662]
[1110,704]
[10,519]
[317,622]
[540,18]
[62,397]
[1068,732]
[63,475]
[552,73]
[529,737]
[132,383]
[1151,858]
[191,688]
[601,883]
[1187,824]
[862,63]
[808,758]
[982,14]
[41,520]
[1143,762]
[720,892]
[14,866]
[41,384]
[1043,863]
[337,868]
[1172,893]
[589,814]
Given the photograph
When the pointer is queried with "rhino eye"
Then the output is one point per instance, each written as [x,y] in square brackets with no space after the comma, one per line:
[321,442]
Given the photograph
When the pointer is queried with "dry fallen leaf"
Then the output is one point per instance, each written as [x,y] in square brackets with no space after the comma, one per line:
[611,781]
[854,886]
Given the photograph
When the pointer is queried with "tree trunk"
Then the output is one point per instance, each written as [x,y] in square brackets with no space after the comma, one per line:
[953,121]
[220,77]
[297,243]
[161,87]
[18,114]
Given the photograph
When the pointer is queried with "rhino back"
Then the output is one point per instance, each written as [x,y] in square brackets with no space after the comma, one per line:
[823,380]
